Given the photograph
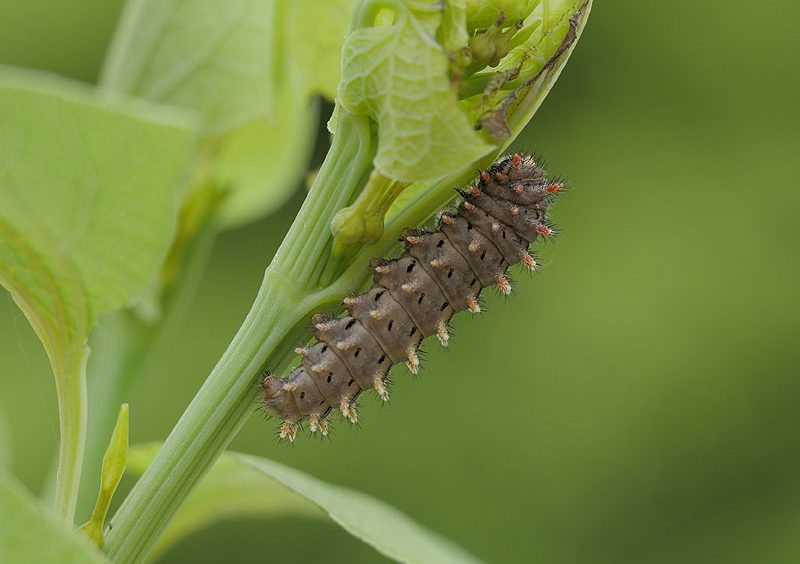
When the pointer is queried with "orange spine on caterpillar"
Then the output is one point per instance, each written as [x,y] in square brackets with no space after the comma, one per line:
[415,295]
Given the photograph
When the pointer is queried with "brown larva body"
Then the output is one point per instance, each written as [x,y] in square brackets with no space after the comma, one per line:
[414,296]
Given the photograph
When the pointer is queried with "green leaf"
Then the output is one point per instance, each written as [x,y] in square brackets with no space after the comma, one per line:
[314,34]
[493,97]
[230,489]
[397,74]
[453,30]
[376,523]
[29,533]
[5,443]
[208,56]
[483,13]
[249,68]
[113,469]
[264,161]
[88,192]
[240,484]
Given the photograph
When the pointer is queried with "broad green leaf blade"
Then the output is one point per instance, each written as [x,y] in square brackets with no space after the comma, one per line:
[398,75]
[241,484]
[5,443]
[249,68]
[376,523]
[29,533]
[231,489]
[263,162]
[213,57]
[88,200]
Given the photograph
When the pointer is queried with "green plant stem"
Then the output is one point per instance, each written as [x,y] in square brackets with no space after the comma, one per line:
[293,287]
[288,293]
[71,392]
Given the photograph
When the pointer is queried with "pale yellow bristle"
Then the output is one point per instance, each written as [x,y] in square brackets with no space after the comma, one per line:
[441,332]
[380,387]
[348,410]
[473,305]
[288,430]
[413,361]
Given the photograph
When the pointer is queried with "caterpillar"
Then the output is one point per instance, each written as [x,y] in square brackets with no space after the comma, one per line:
[415,295]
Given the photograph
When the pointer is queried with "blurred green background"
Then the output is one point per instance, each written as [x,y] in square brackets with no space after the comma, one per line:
[636,401]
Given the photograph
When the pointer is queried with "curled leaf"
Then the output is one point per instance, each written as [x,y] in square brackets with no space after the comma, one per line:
[397,74]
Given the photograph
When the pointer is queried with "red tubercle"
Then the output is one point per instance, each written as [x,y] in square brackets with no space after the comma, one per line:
[554,187]
[516,160]
[544,230]
[486,177]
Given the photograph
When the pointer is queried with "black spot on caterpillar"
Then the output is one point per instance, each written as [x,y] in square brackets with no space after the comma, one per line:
[414,296]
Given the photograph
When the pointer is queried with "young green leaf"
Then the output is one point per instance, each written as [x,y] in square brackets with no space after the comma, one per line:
[29,533]
[87,210]
[483,13]
[241,484]
[397,74]
[113,469]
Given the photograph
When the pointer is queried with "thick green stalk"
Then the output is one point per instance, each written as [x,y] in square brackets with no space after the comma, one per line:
[289,292]
[294,285]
